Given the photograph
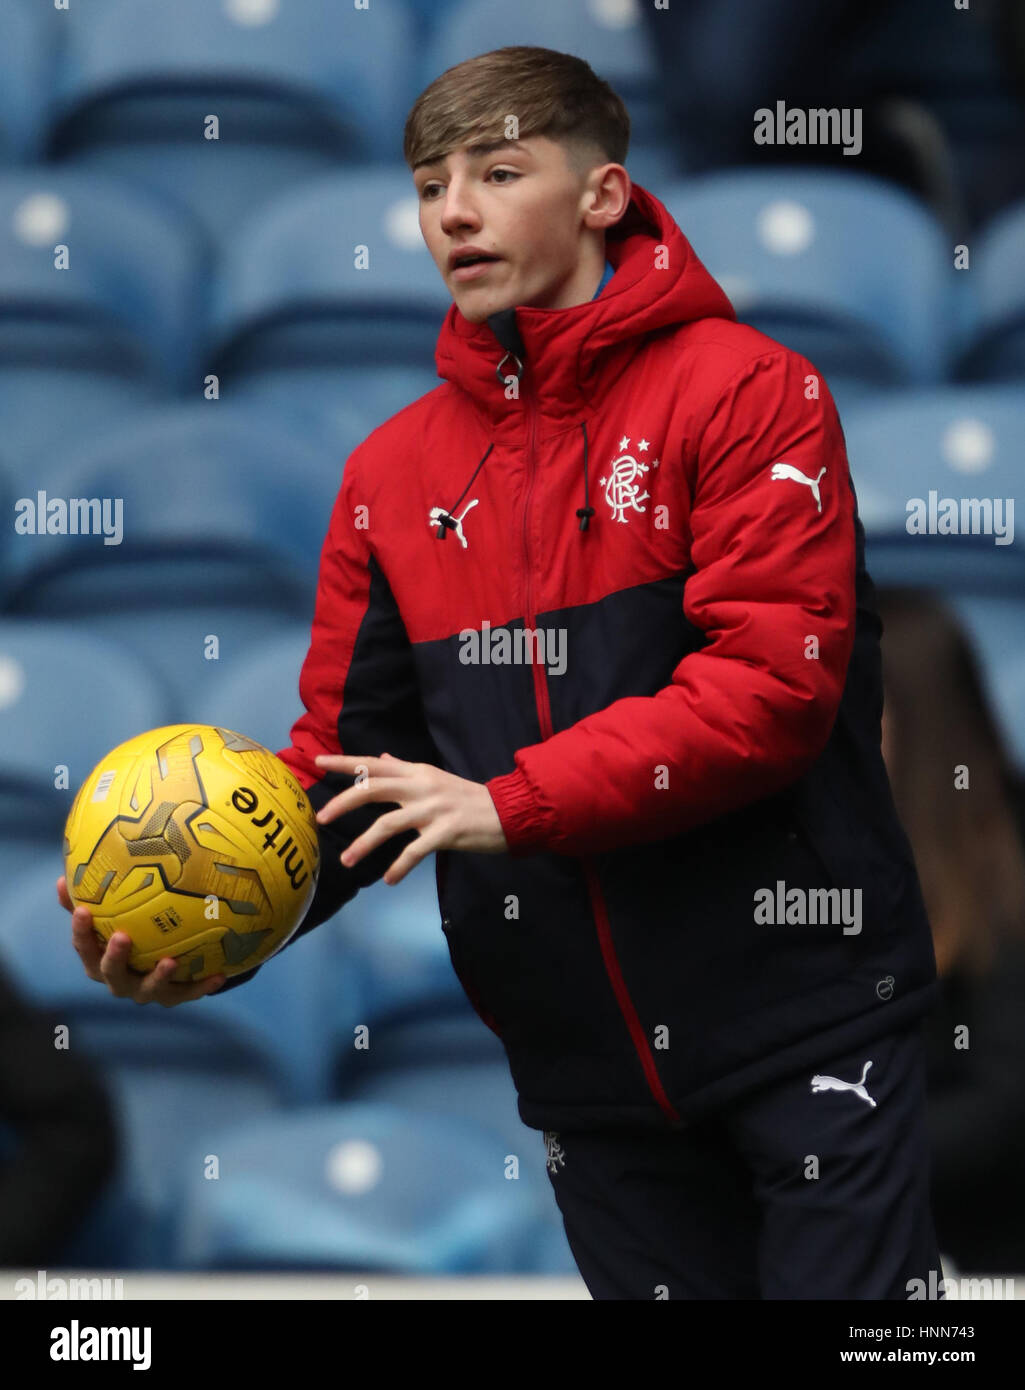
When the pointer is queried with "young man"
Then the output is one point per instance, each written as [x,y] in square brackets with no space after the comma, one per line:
[594,619]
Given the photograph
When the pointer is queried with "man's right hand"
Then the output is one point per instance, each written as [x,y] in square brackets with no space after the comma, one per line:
[110,967]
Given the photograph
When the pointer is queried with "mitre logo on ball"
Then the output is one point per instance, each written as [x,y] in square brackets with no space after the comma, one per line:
[198,843]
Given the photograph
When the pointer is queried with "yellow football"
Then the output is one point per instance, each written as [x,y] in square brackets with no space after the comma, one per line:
[199,844]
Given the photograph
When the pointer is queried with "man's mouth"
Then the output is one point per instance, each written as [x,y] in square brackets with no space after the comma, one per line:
[473,266]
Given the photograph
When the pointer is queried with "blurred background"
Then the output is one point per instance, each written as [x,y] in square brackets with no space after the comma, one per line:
[181,327]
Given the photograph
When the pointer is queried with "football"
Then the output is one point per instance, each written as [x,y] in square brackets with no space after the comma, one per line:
[197,842]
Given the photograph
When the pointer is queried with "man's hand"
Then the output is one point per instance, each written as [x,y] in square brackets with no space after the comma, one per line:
[109,965]
[450,812]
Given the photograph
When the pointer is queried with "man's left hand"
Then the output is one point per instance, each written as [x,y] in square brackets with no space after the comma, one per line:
[450,812]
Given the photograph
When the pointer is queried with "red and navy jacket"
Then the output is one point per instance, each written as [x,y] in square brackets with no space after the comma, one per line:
[613,568]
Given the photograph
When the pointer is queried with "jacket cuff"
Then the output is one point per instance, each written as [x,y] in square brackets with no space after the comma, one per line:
[527,826]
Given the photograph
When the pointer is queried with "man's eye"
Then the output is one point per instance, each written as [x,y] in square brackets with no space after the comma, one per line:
[428,189]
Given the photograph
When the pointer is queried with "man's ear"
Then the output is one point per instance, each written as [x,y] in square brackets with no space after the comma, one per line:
[609,196]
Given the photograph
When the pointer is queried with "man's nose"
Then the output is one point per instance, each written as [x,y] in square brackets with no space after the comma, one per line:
[458,209]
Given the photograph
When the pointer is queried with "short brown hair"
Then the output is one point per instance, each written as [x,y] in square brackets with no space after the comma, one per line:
[551,94]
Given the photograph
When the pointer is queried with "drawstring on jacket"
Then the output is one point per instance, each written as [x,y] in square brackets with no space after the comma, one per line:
[446,521]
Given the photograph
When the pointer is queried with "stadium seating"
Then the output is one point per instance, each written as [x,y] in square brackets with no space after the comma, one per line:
[258,689]
[38,854]
[334,406]
[842,267]
[294,1009]
[295,87]
[479,1093]
[368,1188]
[123,298]
[28,50]
[223,516]
[334,273]
[956,442]
[169,1108]
[395,928]
[996,351]
[67,699]
[42,407]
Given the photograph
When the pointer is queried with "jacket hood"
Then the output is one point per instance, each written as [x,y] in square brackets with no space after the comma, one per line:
[563,355]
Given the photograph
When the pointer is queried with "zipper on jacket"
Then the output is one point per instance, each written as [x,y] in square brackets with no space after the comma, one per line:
[599,910]
[544,710]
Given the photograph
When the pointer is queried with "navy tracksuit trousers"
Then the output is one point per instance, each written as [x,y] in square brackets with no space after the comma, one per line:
[800,1190]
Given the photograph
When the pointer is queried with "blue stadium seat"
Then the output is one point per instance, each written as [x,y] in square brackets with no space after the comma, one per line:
[287,297]
[39,854]
[654,164]
[294,1009]
[178,642]
[259,688]
[611,37]
[842,267]
[126,303]
[364,1188]
[223,515]
[8,496]
[997,349]
[35,940]
[994,626]
[479,1093]
[338,405]
[169,1111]
[296,88]
[394,929]
[67,699]
[958,443]
[44,407]
[429,16]
[445,1031]
[28,45]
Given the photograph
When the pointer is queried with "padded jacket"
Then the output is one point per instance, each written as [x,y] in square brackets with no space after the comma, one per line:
[613,568]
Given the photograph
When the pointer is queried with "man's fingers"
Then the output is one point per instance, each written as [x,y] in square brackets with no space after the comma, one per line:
[114,968]
[371,789]
[159,988]
[109,966]
[412,855]
[83,938]
[155,987]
